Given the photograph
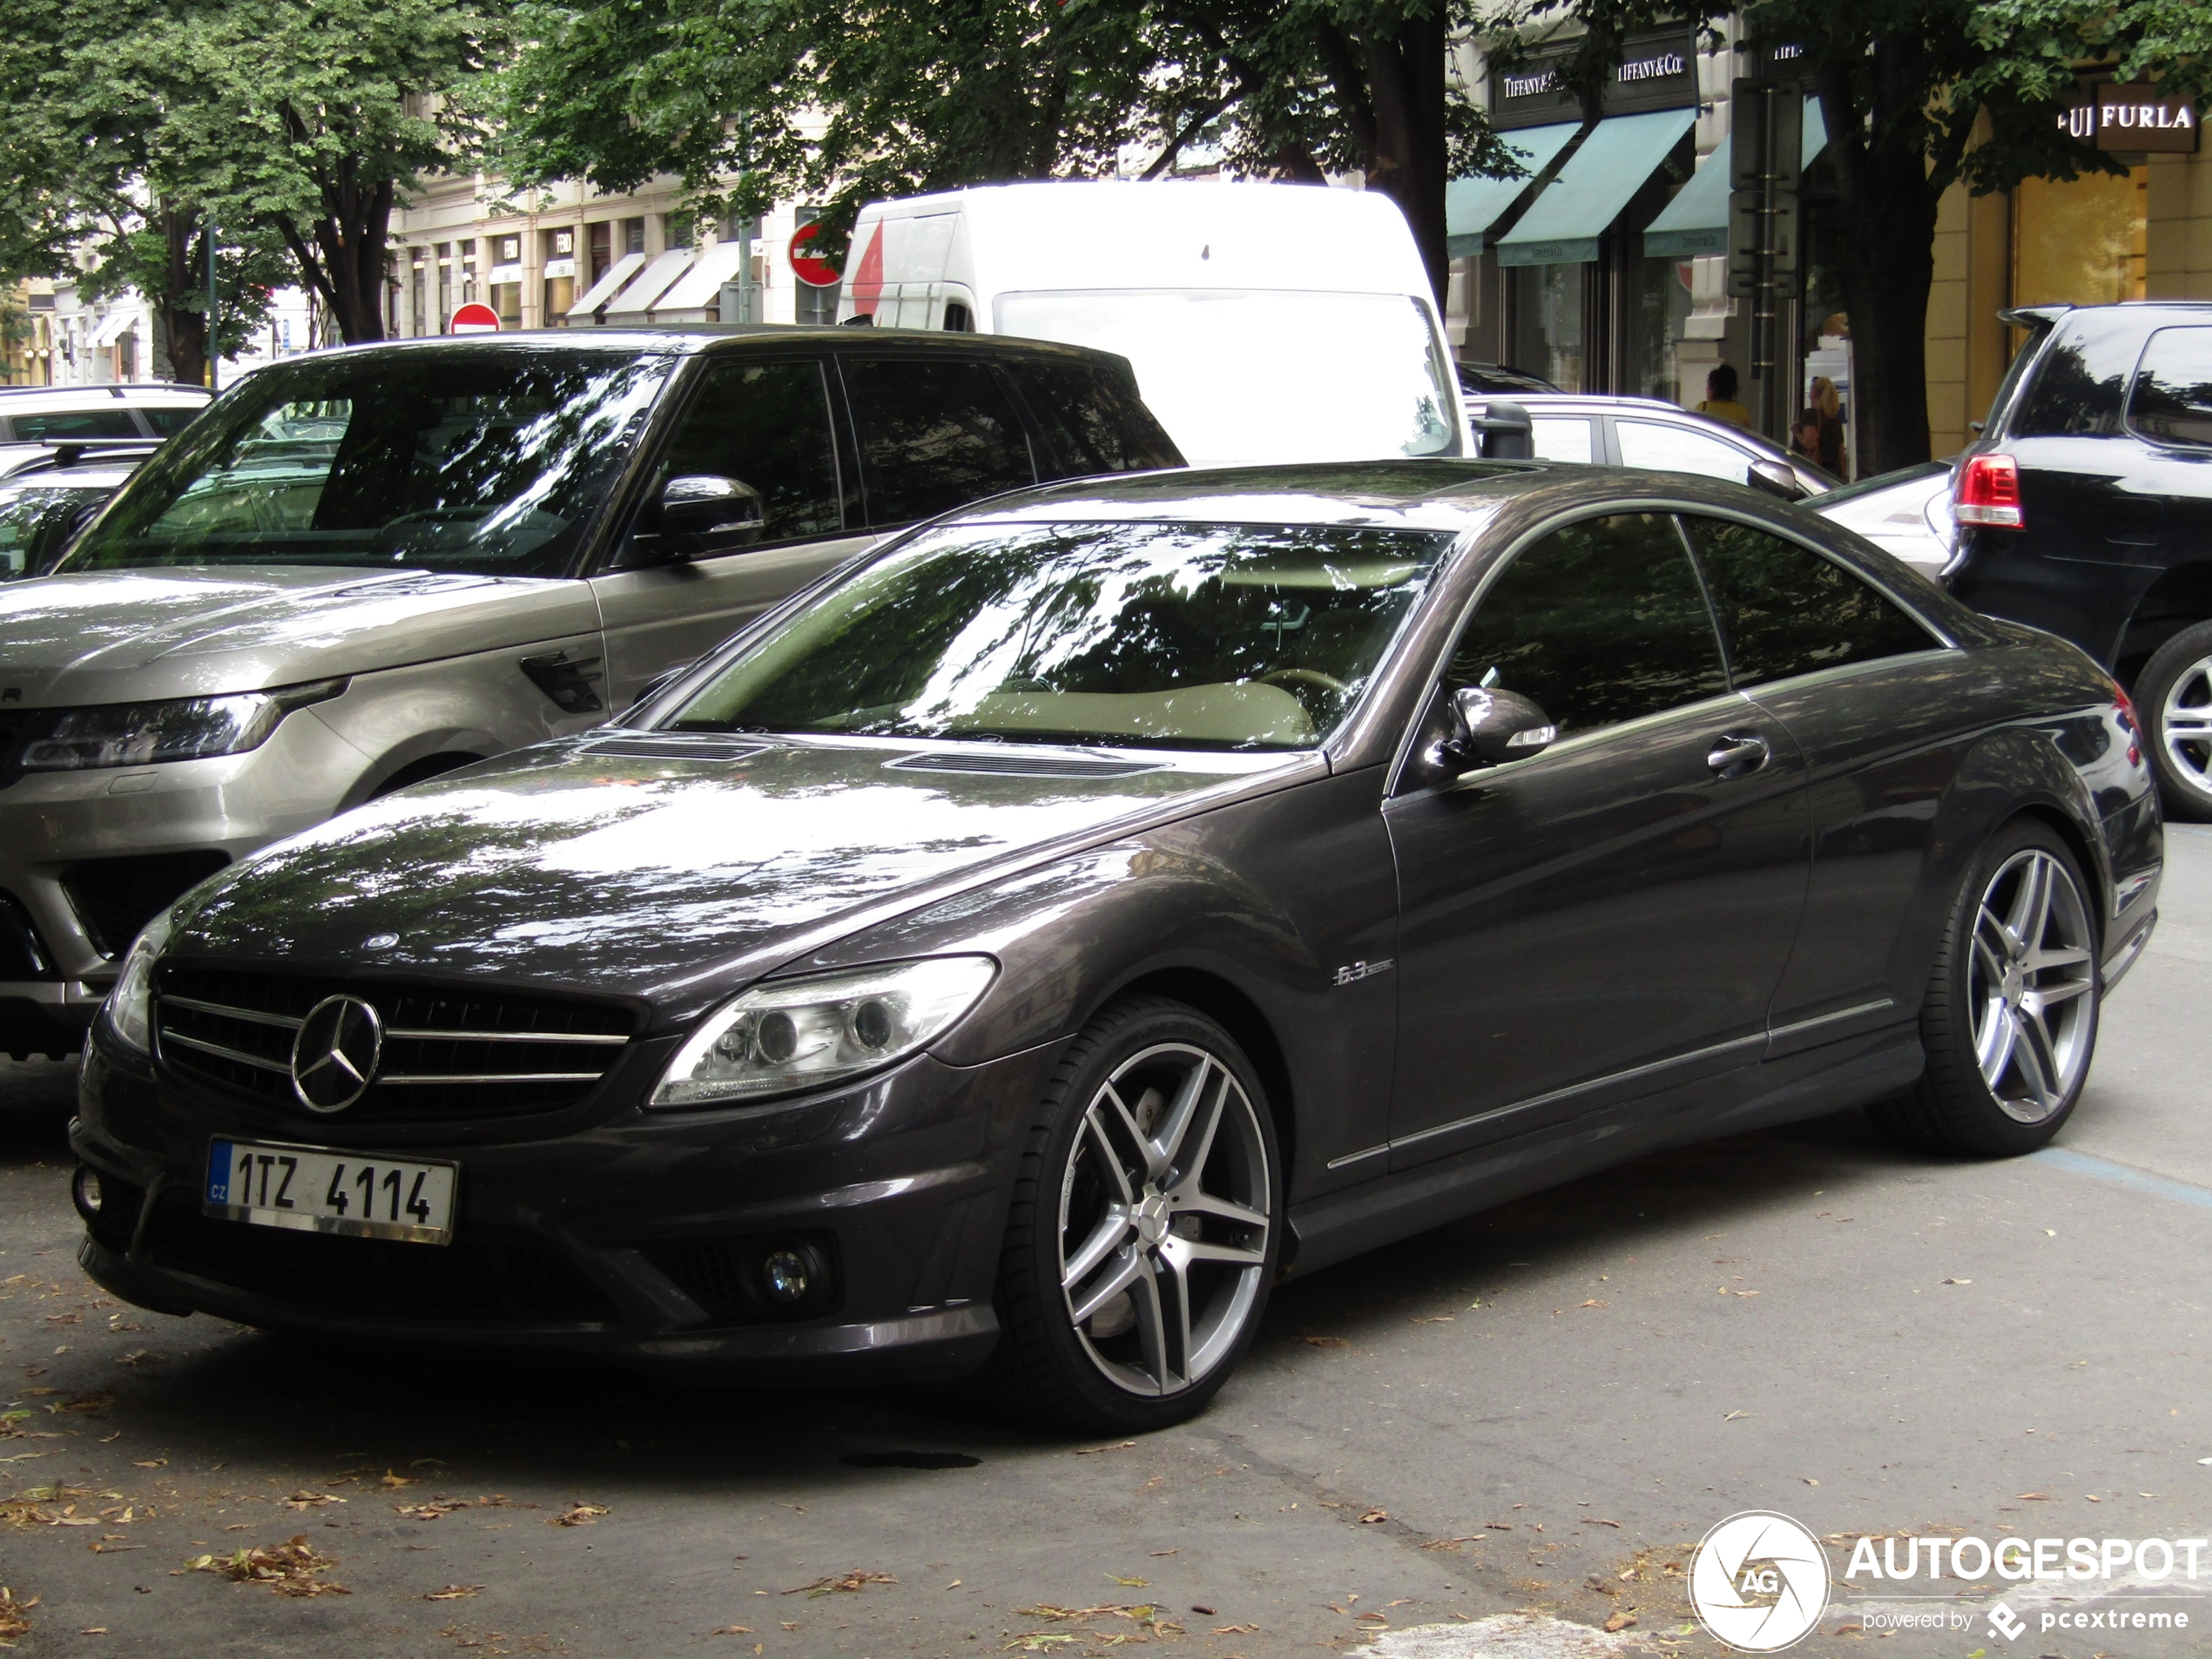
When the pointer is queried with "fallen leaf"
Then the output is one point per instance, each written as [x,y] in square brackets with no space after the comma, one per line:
[304,1499]
[1808,1480]
[1134,1583]
[1592,1303]
[848,1581]
[2045,1497]
[1326,1342]
[732,1630]
[1958,1281]
[1371,1517]
[955,1584]
[1092,1451]
[1620,1622]
[394,1481]
[1732,1416]
[14,1615]
[152,1463]
[1596,1521]
[290,1568]
[1236,1629]
[581,1515]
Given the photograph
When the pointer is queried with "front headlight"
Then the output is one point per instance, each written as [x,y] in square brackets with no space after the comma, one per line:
[130,1001]
[137,734]
[789,1035]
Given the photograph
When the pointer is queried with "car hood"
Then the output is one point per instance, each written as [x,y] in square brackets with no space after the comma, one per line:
[124,636]
[577,865]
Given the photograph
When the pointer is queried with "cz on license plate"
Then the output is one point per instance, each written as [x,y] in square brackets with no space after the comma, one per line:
[316,1189]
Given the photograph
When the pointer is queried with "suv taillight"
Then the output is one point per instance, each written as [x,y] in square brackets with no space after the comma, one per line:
[1989,493]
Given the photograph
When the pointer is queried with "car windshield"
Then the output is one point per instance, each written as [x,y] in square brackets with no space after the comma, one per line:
[1241,375]
[36,520]
[488,460]
[1162,635]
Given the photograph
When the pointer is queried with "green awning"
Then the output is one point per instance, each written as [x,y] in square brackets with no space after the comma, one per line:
[1697,220]
[1473,205]
[1597,182]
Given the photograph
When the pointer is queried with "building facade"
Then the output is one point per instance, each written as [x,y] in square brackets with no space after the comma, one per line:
[567,256]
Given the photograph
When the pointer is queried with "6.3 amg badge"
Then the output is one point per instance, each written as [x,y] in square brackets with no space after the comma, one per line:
[334,1055]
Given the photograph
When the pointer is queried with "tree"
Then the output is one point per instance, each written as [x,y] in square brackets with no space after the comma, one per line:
[1919,94]
[847,104]
[292,125]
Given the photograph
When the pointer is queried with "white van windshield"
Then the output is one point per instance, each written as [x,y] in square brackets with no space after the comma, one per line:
[1241,375]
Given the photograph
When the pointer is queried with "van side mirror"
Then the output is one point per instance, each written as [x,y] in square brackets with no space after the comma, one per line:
[1504,431]
[707,504]
[1775,479]
[1490,727]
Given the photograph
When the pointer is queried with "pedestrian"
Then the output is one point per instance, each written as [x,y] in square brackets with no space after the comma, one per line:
[1805,435]
[1720,398]
[1829,403]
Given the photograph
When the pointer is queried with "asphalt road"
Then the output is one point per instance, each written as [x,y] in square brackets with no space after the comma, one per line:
[1492,1439]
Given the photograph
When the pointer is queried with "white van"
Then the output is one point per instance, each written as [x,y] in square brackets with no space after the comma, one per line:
[1266,322]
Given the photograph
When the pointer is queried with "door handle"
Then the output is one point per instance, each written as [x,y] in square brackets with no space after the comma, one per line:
[1738,755]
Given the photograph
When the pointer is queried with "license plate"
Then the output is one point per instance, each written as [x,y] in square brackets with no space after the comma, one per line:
[316,1189]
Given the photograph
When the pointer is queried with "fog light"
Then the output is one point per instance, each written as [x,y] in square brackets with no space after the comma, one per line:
[784,1277]
[84,1191]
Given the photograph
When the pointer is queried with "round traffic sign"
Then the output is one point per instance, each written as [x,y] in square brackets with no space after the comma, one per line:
[475,318]
[812,269]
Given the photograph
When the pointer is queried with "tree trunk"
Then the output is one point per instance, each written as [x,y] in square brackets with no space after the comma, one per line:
[341,255]
[185,274]
[1409,157]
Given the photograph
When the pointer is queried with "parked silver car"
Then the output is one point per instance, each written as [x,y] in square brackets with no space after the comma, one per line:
[362,569]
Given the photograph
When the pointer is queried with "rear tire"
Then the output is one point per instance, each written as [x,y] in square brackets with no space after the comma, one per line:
[1144,1228]
[2173,695]
[2010,1019]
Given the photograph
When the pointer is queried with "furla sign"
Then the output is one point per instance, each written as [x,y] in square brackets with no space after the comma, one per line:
[2134,117]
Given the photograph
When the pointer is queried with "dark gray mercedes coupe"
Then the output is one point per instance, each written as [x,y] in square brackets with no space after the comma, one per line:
[1025,946]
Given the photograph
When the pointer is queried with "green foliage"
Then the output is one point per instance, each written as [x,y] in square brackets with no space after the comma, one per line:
[294,124]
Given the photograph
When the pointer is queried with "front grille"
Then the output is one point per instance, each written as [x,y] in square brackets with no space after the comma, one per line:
[486,1275]
[116,897]
[447,1054]
[23,953]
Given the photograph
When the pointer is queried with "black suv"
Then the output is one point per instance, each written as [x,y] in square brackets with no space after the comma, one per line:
[2085,508]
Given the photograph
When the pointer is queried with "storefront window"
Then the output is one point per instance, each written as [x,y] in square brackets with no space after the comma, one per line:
[1544,320]
[445,286]
[559,255]
[1655,316]
[602,249]
[2083,242]
[418,290]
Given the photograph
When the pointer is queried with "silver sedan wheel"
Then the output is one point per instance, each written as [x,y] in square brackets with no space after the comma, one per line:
[2185,726]
[1164,1208]
[2032,985]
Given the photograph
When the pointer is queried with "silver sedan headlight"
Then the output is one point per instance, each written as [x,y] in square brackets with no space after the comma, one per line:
[789,1035]
[130,1000]
[137,734]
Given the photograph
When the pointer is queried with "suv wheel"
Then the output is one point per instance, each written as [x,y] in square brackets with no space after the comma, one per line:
[2173,693]
[1145,1225]
[2010,1019]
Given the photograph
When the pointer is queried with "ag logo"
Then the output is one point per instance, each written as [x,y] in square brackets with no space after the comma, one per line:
[1759,1581]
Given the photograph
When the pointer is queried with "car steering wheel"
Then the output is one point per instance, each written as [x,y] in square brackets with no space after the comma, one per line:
[1306,677]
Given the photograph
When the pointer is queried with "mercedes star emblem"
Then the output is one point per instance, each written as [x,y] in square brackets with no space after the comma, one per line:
[335,1054]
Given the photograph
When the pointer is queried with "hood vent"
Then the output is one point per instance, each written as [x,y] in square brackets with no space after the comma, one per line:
[677,745]
[1024,765]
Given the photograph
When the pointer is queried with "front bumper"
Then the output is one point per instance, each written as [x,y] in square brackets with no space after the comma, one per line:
[164,828]
[627,1237]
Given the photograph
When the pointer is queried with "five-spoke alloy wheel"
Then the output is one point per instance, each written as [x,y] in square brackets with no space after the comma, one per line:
[2009,1020]
[1142,1235]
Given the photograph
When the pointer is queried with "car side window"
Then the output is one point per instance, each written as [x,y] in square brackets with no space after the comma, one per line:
[2171,400]
[2080,378]
[1785,609]
[934,434]
[1561,438]
[76,423]
[1600,622]
[168,423]
[766,425]
[1095,420]
[1657,447]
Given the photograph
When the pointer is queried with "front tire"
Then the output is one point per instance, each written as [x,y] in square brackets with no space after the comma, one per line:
[2010,1019]
[1144,1228]
[2174,694]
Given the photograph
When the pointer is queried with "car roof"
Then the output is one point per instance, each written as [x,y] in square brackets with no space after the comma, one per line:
[102,476]
[38,400]
[692,339]
[1605,403]
[1451,496]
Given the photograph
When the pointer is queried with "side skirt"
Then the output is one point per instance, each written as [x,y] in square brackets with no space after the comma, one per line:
[1340,1226]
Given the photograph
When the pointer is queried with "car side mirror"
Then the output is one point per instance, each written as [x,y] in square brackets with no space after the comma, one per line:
[1775,479]
[1490,727]
[707,505]
[1504,431]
